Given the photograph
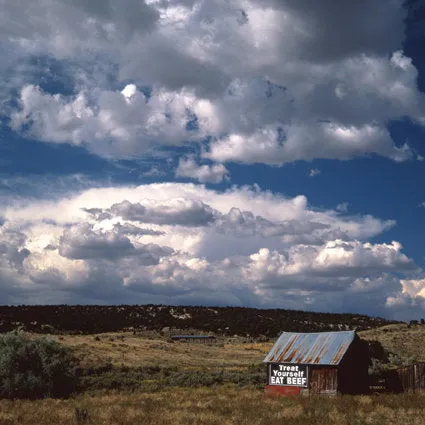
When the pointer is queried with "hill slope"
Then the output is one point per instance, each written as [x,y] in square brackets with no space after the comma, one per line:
[220,320]
[407,342]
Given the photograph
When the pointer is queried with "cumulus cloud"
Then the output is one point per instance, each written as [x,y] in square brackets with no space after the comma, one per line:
[81,242]
[153,172]
[130,229]
[301,142]
[342,207]
[245,223]
[177,211]
[134,122]
[75,27]
[184,242]
[335,258]
[313,172]
[215,173]
[12,248]
[410,301]
[271,82]
[414,288]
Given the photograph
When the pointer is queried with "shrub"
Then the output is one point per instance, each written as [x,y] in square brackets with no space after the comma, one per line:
[376,350]
[376,368]
[81,415]
[34,368]
[394,359]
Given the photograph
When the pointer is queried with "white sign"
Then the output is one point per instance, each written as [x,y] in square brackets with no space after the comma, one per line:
[287,374]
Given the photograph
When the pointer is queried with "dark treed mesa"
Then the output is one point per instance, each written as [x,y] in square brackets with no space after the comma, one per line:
[212,212]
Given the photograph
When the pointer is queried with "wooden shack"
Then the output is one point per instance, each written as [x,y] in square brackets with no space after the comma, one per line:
[204,339]
[317,363]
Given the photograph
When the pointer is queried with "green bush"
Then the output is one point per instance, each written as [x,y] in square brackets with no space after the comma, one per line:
[34,368]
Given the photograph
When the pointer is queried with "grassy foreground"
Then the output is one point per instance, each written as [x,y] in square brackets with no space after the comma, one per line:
[219,405]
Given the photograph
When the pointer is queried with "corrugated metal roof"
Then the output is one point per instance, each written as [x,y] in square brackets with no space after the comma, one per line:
[324,348]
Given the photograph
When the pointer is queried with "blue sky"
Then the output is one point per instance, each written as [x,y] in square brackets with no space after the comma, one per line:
[265,154]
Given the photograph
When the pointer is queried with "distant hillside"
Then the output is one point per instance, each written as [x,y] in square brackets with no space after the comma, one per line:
[405,341]
[220,320]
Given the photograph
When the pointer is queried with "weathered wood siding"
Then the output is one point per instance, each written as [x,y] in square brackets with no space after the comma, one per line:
[323,380]
[412,378]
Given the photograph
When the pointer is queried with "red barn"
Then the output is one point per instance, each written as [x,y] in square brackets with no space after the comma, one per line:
[317,363]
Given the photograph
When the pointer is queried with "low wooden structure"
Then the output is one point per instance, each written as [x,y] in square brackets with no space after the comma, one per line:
[407,378]
[317,363]
[204,339]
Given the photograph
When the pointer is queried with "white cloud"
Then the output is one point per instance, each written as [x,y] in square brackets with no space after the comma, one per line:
[158,241]
[153,172]
[314,172]
[342,207]
[327,79]
[130,229]
[302,142]
[176,211]
[409,303]
[333,259]
[249,81]
[66,29]
[82,242]
[133,122]
[414,288]
[215,173]
[129,91]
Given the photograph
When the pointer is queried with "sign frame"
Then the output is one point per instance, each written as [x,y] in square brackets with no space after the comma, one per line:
[282,375]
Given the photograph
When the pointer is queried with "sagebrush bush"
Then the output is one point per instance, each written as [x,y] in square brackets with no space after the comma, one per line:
[35,368]
[152,378]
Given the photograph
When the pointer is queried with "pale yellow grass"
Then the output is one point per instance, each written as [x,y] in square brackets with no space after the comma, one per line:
[131,350]
[220,405]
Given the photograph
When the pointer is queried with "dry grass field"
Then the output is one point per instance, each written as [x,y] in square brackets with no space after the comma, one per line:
[127,349]
[152,362]
[221,405]
[212,403]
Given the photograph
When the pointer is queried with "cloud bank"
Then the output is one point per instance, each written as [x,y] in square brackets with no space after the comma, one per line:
[184,243]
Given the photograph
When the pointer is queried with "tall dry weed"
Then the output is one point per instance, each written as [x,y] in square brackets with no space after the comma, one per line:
[219,405]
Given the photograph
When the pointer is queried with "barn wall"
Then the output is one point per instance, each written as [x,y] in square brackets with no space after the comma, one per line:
[353,377]
[275,390]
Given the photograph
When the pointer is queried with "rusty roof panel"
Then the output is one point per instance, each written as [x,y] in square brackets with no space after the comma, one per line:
[324,348]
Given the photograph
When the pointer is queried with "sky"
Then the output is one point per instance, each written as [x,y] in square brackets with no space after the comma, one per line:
[212,152]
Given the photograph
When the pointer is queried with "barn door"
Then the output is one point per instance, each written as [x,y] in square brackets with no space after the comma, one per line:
[323,380]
